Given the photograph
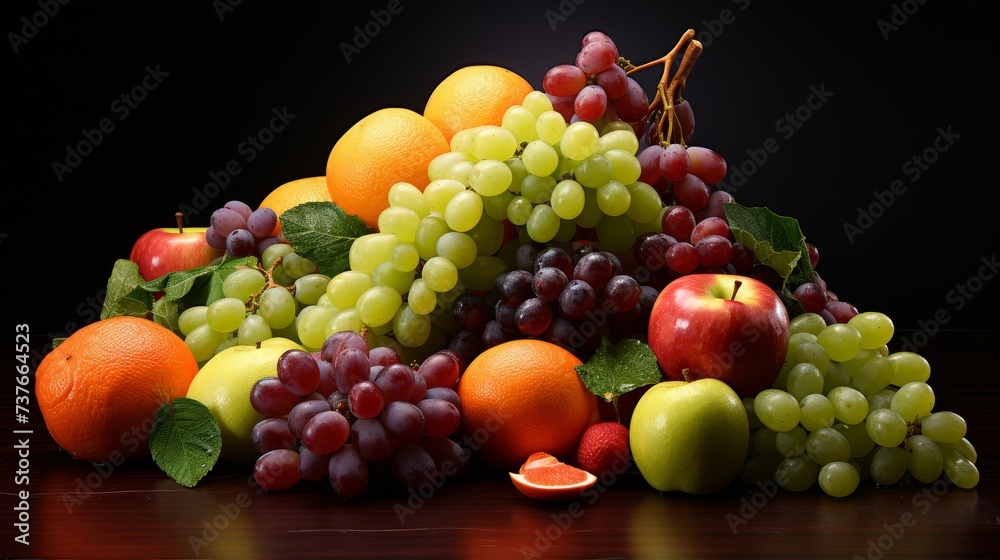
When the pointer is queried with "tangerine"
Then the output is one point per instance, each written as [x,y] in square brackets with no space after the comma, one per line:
[386,147]
[473,96]
[99,389]
[522,397]
[295,192]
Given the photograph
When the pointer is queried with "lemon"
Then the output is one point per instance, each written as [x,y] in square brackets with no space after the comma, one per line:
[223,385]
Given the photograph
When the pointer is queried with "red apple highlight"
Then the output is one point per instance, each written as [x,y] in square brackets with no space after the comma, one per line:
[164,250]
[724,326]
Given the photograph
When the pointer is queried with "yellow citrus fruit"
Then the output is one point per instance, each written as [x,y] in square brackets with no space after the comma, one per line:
[523,397]
[99,389]
[382,149]
[474,96]
[293,193]
[223,385]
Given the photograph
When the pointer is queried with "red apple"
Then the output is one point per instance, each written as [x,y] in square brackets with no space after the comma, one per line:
[729,327]
[164,250]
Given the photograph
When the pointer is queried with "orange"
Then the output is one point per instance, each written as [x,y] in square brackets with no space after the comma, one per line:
[293,193]
[522,397]
[382,149]
[543,477]
[474,96]
[99,389]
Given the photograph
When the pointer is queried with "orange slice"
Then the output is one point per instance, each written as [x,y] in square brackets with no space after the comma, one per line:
[543,477]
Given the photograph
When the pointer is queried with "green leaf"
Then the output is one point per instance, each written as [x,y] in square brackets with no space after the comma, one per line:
[614,371]
[201,285]
[123,296]
[323,233]
[185,440]
[777,241]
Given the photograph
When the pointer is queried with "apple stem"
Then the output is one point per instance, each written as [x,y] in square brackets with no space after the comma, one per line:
[179,216]
[736,288]
[684,373]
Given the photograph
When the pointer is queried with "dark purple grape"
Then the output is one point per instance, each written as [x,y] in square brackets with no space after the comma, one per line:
[649,162]
[467,343]
[226,220]
[650,250]
[270,397]
[577,300]
[632,106]
[272,433]
[325,432]
[622,293]
[674,162]
[647,297]
[709,226]
[442,417]
[277,469]
[240,243]
[242,208]
[533,316]
[419,389]
[444,393]
[556,257]
[678,222]
[595,269]
[383,356]
[450,458]
[298,371]
[369,437]
[714,251]
[685,117]
[366,400]
[579,252]
[327,377]
[493,334]
[404,421]
[348,472]
[261,222]
[503,314]
[350,366]
[525,255]
[302,413]
[412,466]
[692,192]
[313,466]
[549,282]
[591,103]
[683,258]
[340,340]
[214,239]
[516,286]
[470,311]
[613,80]
[743,259]
[811,296]
[440,369]
[396,382]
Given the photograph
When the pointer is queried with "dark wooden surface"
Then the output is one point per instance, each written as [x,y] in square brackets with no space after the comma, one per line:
[80,510]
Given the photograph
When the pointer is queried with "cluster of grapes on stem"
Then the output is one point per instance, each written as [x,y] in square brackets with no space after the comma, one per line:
[241,231]
[358,417]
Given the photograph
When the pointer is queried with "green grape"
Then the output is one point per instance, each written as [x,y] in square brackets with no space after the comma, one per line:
[794,341]
[487,235]
[751,415]
[762,441]
[399,221]
[842,342]
[760,469]
[909,367]
[857,437]
[777,409]
[616,233]
[343,320]
[591,215]
[543,223]
[343,289]
[371,250]
[411,329]
[961,471]
[493,142]
[964,448]
[271,254]
[460,173]
[623,140]
[496,206]
[781,381]
[612,126]
[924,460]
[421,299]
[653,226]
[807,322]
[796,474]
[464,210]
[815,412]
[566,167]
[437,169]
[311,324]
[873,376]
[886,427]
[226,314]
[568,199]
[490,177]
[228,343]
[519,210]
[804,379]
[838,479]
[853,366]
[812,353]
[203,340]
[521,123]
[191,318]
[836,376]
[277,307]
[461,141]
[943,426]
[445,301]
[405,257]
[378,305]
[252,330]
[243,283]
[625,168]
[457,247]
[875,328]
[540,158]
[613,198]
[479,275]
[550,126]
[579,140]
[429,231]
[440,274]
[888,465]
[566,234]
[290,332]
[297,266]
[309,288]
[438,193]
[517,174]
[827,445]
[791,443]
[881,399]
[537,102]
[388,275]
[594,171]
[538,189]
[849,405]
[913,400]
[280,277]
[645,205]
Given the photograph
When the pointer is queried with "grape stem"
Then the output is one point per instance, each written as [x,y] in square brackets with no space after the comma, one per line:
[670,88]
[253,304]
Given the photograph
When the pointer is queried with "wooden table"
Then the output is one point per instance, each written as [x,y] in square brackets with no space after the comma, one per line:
[80,510]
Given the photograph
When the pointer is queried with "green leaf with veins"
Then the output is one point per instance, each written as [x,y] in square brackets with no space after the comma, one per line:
[776,241]
[323,233]
[615,370]
[185,440]
[123,296]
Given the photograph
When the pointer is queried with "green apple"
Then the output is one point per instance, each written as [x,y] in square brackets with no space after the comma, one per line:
[689,436]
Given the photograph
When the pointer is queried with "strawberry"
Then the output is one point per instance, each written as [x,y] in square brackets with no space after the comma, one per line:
[604,448]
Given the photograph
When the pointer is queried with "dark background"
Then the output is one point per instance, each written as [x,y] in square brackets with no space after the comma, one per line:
[229,66]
